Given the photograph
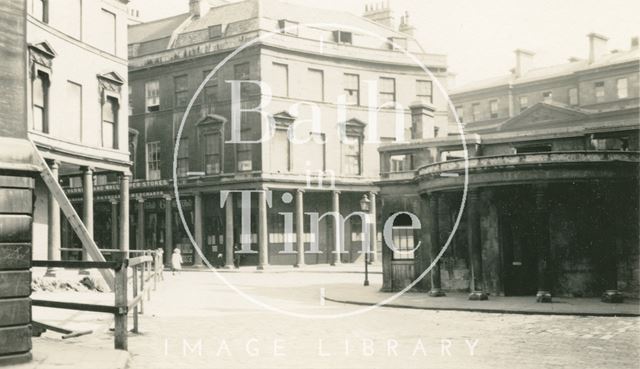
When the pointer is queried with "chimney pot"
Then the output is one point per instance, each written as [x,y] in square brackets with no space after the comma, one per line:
[597,46]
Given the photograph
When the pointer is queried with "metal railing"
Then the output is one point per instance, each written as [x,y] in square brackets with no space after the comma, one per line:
[146,271]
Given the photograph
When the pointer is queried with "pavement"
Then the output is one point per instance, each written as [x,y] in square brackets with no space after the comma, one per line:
[51,353]
[195,320]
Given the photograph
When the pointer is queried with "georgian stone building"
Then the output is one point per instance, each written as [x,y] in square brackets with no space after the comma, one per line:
[547,202]
[77,116]
[306,56]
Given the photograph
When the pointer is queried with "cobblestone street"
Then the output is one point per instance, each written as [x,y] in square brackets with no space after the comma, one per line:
[195,321]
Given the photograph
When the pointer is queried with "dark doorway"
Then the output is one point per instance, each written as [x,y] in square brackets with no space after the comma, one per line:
[518,244]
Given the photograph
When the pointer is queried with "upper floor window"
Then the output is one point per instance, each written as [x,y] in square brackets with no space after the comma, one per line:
[108,31]
[601,142]
[182,164]
[73,111]
[352,88]
[210,93]
[622,88]
[315,84]
[181,90]
[573,96]
[212,153]
[72,24]
[241,72]
[40,10]
[215,31]
[280,85]
[351,157]
[493,108]
[152,96]
[281,151]
[343,37]
[424,91]
[245,159]
[547,96]
[110,110]
[153,160]
[460,113]
[130,95]
[40,101]
[400,163]
[599,91]
[288,27]
[386,91]
[475,112]
[524,103]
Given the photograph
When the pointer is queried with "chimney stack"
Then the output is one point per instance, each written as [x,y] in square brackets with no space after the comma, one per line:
[423,122]
[199,8]
[634,42]
[406,27]
[380,13]
[524,62]
[597,46]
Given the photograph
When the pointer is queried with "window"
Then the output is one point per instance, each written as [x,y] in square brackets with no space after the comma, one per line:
[493,108]
[573,96]
[400,163]
[41,10]
[315,151]
[210,93]
[402,233]
[241,72]
[107,32]
[152,93]
[352,88]
[315,84]
[182,165]
[599,91]
[153,160]
[281,151]
[288,27]
[524,103]
[424,91]
[244,158]
[280,85]
[460,113]
[181,90]
[609,143]
[475,112]
[547,96]
[41,102]
[343,37]
[622,88]
[72,13]
[215,31]
[130,95]
[351,155]
[212,149]
[110,110]
[386,91]
[73,111]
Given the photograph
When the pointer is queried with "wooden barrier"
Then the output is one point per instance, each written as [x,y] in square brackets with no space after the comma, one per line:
[121,308]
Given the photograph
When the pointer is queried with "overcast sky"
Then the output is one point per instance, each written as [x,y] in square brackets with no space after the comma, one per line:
[479,36]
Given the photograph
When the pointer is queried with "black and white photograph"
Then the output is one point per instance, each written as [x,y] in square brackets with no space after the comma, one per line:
[339,184]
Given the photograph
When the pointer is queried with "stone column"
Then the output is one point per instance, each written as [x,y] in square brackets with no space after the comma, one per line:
[87,204]
[300,227]
[337,234]
[373,256]
[263,245]
[541,224]
[228,231]
[53,250]
[168,229]
[140,228]
[475,247]
[197,228]
[433,200]
[114,224]
[123,239]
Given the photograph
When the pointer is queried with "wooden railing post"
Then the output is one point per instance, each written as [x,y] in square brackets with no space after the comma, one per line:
[155,270]
[120,287]
[142,287]
[135,294]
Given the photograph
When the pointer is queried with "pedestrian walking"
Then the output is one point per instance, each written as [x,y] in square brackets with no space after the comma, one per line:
[176,261]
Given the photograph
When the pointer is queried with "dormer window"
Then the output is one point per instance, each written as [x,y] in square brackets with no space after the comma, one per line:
[288,27]
[343,37]
[215,32]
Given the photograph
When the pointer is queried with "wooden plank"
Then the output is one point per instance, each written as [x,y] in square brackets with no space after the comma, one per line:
[15,256]
[16,201]
[15,284]
[15,228]
[76,264]
[15,340]
[15,311]
[121,341]
[76,306]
